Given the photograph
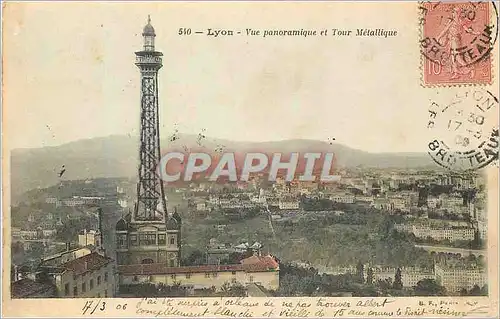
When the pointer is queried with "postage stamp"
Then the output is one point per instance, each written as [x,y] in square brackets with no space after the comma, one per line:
[180,160]
[456,42]
[468,130]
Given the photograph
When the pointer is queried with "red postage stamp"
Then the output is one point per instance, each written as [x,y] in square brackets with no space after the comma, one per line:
[457,39]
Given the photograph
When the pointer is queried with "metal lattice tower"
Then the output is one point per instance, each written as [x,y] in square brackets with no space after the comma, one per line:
[151,203]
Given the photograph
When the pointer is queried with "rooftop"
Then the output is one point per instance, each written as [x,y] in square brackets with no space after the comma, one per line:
[75,251]
[163,269]
[263,261]
[90,262]
[26,288]
[258,264]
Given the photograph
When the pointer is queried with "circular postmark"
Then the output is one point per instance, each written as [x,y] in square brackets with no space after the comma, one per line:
[465,130]
[457,36]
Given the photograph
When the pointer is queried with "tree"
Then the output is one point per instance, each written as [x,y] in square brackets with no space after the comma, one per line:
[237,290]
[69,231]
[384,284]
[360,273]
[225,287]
[398,283]
[233,290]
[37,250]
[369,276]
[17,247]
[235,257]
[384,227]
[196,258]
[484,290]
[429,287]
[475,291]
[481,262]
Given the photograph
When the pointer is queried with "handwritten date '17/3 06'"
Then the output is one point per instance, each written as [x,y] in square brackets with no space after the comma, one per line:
[99,306]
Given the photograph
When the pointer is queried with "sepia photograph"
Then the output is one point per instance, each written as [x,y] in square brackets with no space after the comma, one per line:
[288,159]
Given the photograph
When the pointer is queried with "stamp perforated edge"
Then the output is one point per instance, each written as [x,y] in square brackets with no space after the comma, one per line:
[423,84]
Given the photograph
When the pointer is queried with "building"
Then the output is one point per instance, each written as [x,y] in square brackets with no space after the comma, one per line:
[287,202]
[433,202]
[457,277]
[482,227]
[461,182]
[256,248]
[345,198]
[52,200]
[88,276]
[272,201]
[123,202]
[72,202]
[436,232]
[399,203]
[148,242]
[382,273]
[408,228]
[149,234]
[410,276]
[261,270]
[234,203]
[450,202]
[449,233]
[411,196]
[364,199]
[381,203]
[84,272]
[201,206]
[66,256]
[91,237]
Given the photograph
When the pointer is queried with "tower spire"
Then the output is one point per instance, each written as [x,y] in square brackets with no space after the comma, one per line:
[150,205]
[149,36]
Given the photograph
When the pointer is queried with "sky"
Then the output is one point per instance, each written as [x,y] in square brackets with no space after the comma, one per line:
[69,73]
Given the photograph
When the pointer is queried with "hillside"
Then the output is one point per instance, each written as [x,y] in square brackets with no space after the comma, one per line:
[116,156]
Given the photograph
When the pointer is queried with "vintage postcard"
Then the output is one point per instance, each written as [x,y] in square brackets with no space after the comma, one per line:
[250,159]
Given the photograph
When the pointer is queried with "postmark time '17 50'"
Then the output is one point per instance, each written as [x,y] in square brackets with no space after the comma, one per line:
[465,130]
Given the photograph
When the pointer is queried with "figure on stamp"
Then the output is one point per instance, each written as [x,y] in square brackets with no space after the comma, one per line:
[457,41]
[452,37]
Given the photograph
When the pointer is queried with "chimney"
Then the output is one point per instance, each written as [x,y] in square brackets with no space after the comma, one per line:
[16,273]
[68,245]
[86,265]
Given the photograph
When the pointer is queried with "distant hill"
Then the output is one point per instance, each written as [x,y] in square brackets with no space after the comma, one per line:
[116,156]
